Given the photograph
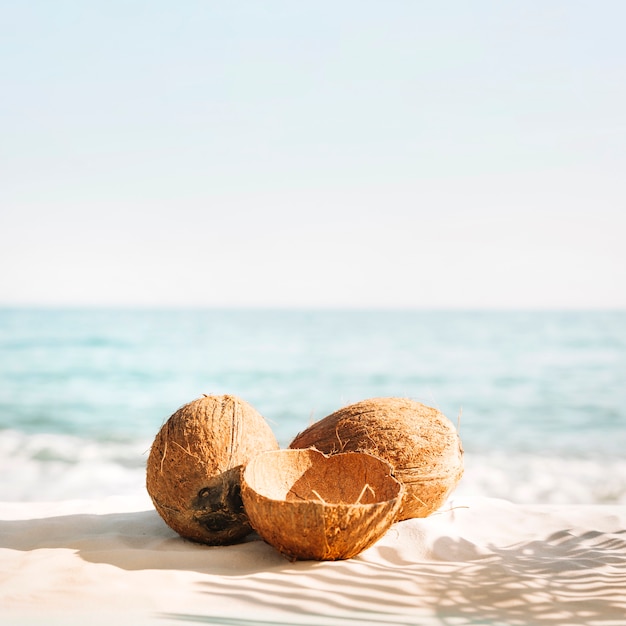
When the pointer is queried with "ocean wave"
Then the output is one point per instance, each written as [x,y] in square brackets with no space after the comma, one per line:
[44,467]
[545,479]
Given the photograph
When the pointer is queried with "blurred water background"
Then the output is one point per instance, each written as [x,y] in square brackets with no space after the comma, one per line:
[540,397]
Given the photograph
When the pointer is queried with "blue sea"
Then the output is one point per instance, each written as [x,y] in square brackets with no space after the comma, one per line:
[539,397]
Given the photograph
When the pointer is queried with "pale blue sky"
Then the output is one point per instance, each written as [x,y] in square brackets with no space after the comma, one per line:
[300,153]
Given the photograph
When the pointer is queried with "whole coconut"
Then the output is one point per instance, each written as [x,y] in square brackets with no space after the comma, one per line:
[418,441]
[194,468]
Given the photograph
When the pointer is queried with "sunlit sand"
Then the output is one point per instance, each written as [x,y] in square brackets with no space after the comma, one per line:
[478,560]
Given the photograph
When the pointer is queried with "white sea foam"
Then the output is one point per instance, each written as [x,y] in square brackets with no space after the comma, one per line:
[44,467]
[535,479]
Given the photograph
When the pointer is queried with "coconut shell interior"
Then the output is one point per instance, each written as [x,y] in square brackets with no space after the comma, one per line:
[312,506]
[340,479]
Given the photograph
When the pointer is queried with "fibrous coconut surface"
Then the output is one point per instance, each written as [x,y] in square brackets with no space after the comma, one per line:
[419,442]
[194,467]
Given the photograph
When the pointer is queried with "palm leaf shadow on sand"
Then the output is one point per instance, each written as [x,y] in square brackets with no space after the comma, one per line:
[303,620]
[567,578]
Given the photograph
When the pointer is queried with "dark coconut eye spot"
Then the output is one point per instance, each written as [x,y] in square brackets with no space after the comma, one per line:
[234,499]
[209,498]
[216,522]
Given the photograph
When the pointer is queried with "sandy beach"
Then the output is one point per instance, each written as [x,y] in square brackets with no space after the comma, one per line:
[477,561]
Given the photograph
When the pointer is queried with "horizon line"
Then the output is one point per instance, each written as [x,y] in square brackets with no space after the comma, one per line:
[307,308]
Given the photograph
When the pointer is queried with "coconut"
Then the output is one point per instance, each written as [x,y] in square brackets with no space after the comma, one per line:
[194,467]
[312,506]
[419,442]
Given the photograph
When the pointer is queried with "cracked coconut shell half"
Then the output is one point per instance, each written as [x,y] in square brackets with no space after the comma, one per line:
[194,468]
[421,444]
[310,506]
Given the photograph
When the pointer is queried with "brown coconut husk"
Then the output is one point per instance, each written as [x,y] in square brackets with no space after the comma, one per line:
[194,468]
[312,506]
[419,442]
